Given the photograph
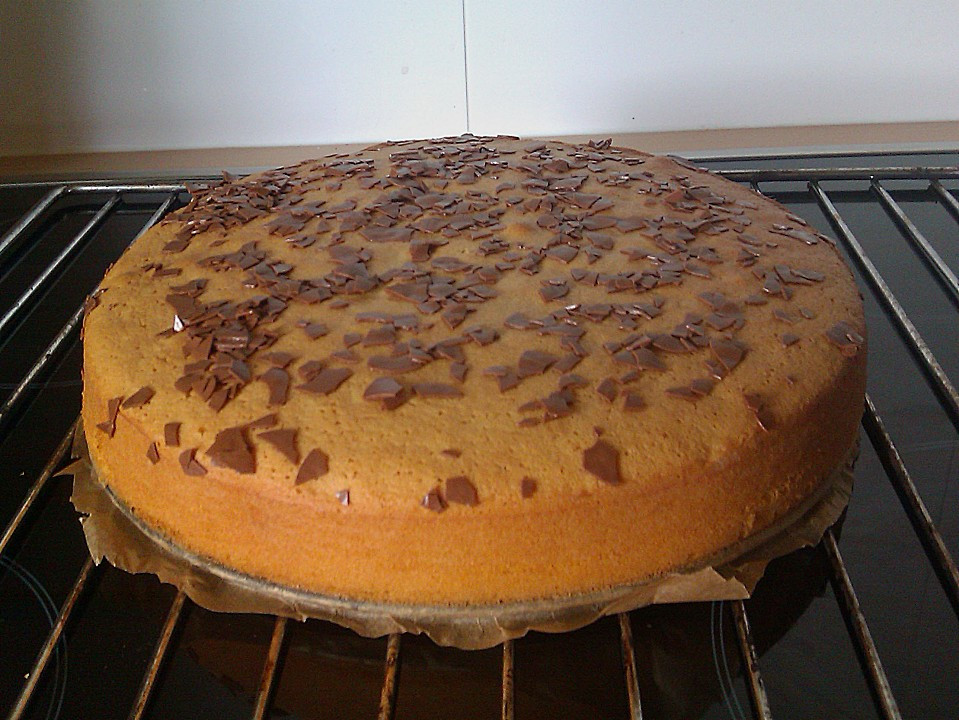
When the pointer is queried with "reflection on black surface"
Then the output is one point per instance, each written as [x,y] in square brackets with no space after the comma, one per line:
[331,672]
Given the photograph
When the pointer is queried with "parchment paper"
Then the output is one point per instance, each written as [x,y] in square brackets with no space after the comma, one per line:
[114,533]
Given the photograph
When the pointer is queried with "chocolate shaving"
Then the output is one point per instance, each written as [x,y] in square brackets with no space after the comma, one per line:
[315,465]
[608,389]
[440,390]
[527,487]
[139,398]
[507,381]
[315,330]
[326,381]
[153,453]
[602,460]
[433,500]
[382,388]
[230,450]
[343,496]
[843,336]
[633,402]
[460,490]
[278,382]
[683,392]
[534,362]
[283,440]
[109,426]
[171,434]
[728,352]
[267,421]
[189,463]
[553,292]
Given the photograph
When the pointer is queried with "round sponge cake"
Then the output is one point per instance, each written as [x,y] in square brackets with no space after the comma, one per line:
[472,370]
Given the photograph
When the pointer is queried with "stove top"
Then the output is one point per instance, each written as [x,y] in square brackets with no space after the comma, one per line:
[864,625]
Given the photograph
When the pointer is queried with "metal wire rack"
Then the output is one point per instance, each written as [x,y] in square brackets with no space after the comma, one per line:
[824,188]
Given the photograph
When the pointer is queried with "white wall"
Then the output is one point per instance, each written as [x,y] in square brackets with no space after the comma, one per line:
[114,75]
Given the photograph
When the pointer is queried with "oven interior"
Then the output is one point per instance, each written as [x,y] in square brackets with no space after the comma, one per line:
[864,625]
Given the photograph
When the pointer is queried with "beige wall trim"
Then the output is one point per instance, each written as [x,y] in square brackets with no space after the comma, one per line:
[903,137]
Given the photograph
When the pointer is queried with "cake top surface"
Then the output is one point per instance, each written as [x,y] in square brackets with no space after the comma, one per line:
[468,323]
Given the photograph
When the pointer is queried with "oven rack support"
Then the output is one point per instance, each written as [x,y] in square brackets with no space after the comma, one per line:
[895,470]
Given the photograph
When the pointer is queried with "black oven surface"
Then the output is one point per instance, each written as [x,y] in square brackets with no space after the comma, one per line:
[864,625]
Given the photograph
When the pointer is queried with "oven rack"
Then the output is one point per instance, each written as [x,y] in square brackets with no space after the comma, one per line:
[110,194]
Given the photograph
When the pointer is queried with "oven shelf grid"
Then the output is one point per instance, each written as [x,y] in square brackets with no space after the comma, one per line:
[940,182]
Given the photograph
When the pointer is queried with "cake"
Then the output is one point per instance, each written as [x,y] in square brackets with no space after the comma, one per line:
[472,371]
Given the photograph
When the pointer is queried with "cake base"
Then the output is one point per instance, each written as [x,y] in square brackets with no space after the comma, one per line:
[113,532]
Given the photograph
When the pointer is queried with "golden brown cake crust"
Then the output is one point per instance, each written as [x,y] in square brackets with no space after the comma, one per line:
[499,369]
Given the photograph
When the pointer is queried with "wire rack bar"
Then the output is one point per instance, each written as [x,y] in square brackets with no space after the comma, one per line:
[757,688]
[629,667]
[158,215]
[933,259]
[43,657]
[144,187]
[147,185]
[51,351]
[859,630]
[940,383]
[915,508]
[757,175]
[159,654]
[948,199]
[268,676]
[391,676]
[13,234]
[509,694]
[820,174]
[52,464]
[19,392]
[59,260]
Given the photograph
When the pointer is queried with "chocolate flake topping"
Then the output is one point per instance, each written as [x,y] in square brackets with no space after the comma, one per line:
[261,423]
[153,453]
[728,352]
[315,465]
[382,388]
[189,463]
[556,204]
[433,500]
[279,359]
[109,426]
[534,362]
[283,440]
[460,490]
[608,389]
[230,450]
[139,398]
[171,434]
[440,390]
[327,380]
[343,496]
[527,487]
[843,336]
[316,330]
[602,460]
[278,382]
